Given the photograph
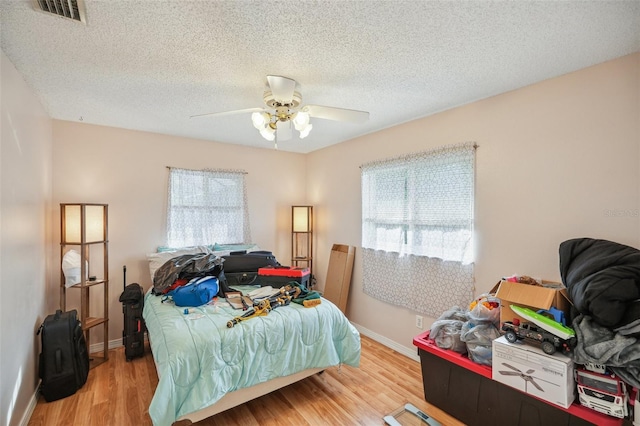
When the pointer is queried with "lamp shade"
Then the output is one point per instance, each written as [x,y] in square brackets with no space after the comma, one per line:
[301,120]
[302,220]
[305,131]
[268,133]
[260,120]
[79,219]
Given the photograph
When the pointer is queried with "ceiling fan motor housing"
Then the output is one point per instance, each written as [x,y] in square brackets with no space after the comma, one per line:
[272,102]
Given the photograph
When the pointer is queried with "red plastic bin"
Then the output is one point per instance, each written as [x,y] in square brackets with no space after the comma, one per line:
[466,391]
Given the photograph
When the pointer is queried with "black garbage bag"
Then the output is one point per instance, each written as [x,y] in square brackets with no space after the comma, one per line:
[603,281]
[186,267]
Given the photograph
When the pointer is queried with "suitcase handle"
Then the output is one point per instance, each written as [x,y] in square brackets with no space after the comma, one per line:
[58,360]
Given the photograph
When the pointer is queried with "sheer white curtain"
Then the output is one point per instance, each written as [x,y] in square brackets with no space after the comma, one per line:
[417,229]
[207,207]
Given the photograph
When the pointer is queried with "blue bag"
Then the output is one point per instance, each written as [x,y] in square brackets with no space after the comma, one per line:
[196,292]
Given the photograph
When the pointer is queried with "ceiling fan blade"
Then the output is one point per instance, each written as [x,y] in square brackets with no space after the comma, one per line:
[238,111]
[284,130]
[282,88]
[338,114]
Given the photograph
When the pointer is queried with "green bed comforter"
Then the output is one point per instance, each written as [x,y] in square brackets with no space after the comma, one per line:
[199,359]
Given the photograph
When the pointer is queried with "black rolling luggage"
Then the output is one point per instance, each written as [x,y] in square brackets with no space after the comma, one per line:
[132,299]
[241,268]
[248,262]
[64,360]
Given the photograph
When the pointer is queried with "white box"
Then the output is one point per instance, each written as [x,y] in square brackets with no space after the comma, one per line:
[527,368]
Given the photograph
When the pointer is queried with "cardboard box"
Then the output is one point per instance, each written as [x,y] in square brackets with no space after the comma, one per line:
[549,294]
[527,368]
[336,288]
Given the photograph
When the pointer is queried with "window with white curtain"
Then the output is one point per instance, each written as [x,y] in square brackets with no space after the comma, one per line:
[417,229]
[207,207]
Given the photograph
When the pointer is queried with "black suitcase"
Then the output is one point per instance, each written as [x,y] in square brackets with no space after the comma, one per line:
[248,262]
[132,299]
[64,360]
[242,278]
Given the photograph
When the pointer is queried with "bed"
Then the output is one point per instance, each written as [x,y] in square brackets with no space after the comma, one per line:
[205,368]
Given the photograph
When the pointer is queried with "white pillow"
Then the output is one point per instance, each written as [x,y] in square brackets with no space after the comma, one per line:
[156,260]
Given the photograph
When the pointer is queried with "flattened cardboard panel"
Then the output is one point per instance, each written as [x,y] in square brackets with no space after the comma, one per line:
[336,288]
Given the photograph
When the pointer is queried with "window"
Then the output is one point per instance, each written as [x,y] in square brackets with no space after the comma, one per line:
[207,207]
[417,219]
[420,205]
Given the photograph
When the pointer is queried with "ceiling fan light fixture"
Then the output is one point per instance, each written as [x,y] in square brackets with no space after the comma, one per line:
[268,136]
[260,120]
[305,131]
[284,112]
[301,120]
[268,133]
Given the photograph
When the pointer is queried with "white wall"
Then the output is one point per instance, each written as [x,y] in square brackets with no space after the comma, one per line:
[25,241]
[128,170]
[554,158]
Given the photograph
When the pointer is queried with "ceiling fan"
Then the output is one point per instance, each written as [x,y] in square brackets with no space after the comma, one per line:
[283,108]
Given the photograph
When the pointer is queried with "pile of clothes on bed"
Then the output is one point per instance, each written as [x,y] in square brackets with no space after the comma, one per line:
[603,282]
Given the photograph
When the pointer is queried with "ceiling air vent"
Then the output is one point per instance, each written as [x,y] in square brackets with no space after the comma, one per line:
[70,9]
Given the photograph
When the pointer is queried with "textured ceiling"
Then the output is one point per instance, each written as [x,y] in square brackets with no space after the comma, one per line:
[149,65]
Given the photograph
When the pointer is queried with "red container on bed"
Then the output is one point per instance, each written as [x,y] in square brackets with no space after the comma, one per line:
[279,276]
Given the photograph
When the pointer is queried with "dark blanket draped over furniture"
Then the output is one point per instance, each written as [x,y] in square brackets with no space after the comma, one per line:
[603,282]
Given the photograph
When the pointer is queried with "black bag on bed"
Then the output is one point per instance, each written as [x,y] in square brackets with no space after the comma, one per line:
[186,267]
[248,262]
[64,360]
[224,284]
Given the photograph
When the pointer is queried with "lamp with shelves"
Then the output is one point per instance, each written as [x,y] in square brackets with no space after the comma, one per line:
[84,226]
[302,236]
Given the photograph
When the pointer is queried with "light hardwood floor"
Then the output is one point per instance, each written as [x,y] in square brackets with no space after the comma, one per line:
[119,393]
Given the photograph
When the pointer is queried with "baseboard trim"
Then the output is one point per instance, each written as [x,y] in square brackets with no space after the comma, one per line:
[408,352]
[98,347]
[26,417]
[113,344]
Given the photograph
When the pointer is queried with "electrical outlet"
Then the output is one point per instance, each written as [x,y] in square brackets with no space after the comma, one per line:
[419,322]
